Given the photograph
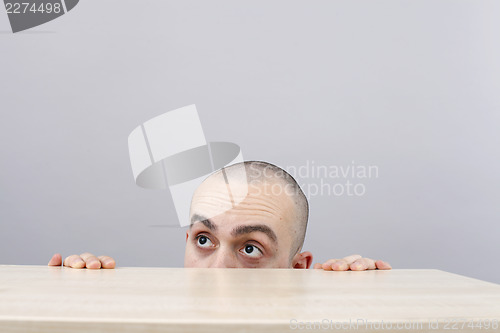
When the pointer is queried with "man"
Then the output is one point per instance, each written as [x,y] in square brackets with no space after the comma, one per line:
[266,229]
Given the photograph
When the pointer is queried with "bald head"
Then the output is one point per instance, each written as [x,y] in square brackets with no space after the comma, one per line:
[255,196]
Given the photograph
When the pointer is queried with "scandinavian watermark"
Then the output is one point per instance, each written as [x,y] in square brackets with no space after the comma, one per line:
[26,14]
[315,179]
[452,324]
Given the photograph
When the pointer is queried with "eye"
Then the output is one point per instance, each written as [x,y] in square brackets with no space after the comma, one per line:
[203,241]
[252,251]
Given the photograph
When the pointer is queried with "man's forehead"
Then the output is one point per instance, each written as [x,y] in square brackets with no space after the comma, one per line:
[236,191]
[255,207]
[219,193]
[264,202]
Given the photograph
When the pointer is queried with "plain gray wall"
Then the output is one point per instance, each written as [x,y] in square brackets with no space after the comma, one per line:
[411,87]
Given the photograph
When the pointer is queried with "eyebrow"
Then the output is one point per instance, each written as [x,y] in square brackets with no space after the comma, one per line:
[246,229]
[238,231]
[204,220]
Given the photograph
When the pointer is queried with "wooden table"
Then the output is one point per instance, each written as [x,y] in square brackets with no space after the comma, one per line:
[56,299]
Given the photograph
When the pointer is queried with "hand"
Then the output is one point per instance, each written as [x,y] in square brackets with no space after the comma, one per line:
[86,259]
[353,263]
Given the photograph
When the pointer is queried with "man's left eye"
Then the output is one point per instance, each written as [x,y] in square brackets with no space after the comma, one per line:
[252,251]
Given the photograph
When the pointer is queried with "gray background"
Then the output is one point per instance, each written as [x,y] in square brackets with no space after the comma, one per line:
[412,87]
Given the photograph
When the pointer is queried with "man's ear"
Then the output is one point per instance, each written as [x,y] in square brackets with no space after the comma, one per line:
[187,235]
[302,260]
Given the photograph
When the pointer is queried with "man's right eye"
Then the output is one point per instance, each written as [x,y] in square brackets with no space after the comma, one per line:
[203,241]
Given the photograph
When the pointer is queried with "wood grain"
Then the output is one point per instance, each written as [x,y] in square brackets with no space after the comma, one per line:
[59,299]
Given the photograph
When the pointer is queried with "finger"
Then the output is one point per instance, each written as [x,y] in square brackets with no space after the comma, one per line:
[370,263]
[318,266]
[56,260]
[327,265]
[107,262]
[352,258]
[359,265]
[382,265]
[74,261]
[91,261]
[340,265]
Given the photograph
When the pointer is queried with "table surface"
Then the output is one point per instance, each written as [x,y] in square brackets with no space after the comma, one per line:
[59,299]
